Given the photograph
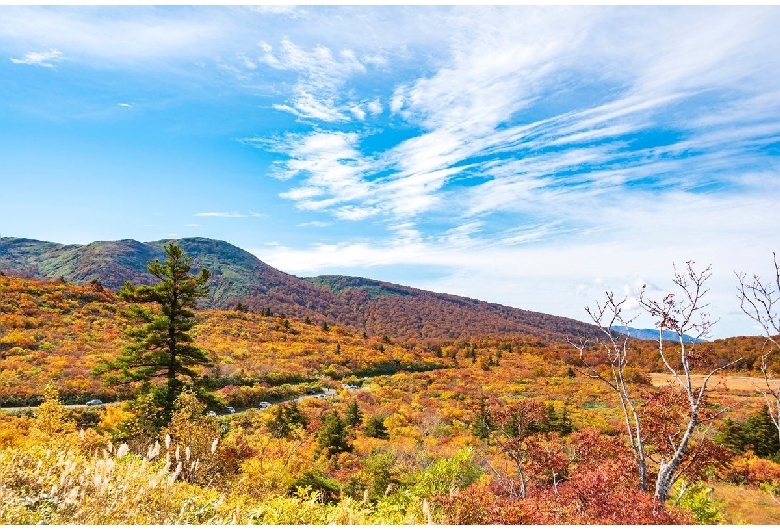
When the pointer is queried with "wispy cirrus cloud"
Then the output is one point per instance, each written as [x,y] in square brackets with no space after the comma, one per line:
[231,215]
[470,113]
[121,36]
[47,59]
[220,214]
[321,74]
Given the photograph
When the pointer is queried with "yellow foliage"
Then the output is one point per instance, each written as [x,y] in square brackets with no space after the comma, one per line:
[50,416]
[13,431]
[112,415]
[279,461]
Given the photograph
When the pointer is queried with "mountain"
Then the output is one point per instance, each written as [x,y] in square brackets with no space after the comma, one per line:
[363,305]
[405,311]
[652,334]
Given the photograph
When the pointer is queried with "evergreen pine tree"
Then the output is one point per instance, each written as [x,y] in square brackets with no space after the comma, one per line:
[286,418]
[353,417]
[375,428]
[756,433]
[332,437]
[480,427]
[278,426]
[161,347]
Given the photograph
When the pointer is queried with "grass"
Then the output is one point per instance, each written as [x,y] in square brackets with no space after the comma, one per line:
[718,382]
[746,505]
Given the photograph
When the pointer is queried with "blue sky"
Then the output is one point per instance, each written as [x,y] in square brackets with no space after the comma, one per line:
[533,157]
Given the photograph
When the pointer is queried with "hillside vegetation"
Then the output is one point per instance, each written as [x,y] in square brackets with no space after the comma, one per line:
[238,277]
[56,331]
[490,430]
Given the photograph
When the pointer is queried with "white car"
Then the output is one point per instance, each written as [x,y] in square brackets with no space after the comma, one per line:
[230,410]
[263,404]
[93,402]
[211,413]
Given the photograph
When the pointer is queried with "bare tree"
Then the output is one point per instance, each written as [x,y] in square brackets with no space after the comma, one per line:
[615,346]
[684,314]
[759,300]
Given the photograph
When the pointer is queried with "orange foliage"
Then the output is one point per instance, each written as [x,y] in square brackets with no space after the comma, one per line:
[750,469]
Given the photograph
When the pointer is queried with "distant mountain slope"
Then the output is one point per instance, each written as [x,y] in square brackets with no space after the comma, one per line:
[652,334]
[360,304]
[405,311]
[236,275]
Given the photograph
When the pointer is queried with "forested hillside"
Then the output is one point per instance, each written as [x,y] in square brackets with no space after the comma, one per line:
[402,311]
[238,277]
[360,429]
[56,331]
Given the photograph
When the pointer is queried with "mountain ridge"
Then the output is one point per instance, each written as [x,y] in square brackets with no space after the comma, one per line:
[238,277]
[652,334]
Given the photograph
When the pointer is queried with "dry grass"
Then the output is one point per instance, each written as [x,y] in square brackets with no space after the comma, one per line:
[720,383]
[744,505]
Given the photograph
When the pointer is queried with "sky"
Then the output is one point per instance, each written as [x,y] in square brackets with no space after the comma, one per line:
[536,157]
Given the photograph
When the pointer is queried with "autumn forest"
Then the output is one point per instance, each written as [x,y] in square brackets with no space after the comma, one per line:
[350,401]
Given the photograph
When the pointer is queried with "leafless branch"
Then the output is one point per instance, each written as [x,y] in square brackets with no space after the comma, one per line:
[759,301]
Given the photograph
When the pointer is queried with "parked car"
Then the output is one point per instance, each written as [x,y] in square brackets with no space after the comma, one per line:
[211,413]
[310,392]
[230,410]
[93,402]
[263,404]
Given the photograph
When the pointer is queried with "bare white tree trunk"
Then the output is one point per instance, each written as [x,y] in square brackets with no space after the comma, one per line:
[683,315]
[615,347]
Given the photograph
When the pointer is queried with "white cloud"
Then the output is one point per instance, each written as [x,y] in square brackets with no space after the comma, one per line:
[120,36]
[318,224]
[219,214]
[466,109]
[331,165]
[291,11]
[354,213]
[374,107]
[358,112]
[397,101]
[321,74]
[44,59]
